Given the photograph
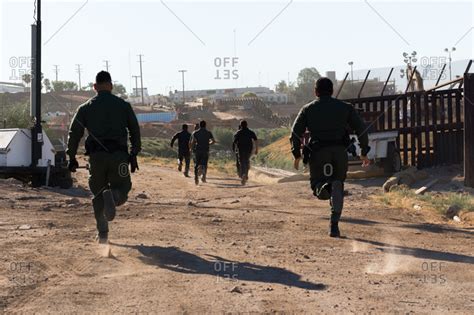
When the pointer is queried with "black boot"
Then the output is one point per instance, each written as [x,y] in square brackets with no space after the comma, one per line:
[102,237]
[334,230]
[109,204]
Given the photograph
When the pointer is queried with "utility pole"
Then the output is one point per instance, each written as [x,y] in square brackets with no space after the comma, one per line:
[79,70]
[56,70]
[141,77]
[136,84]
[182,75]
[106,65]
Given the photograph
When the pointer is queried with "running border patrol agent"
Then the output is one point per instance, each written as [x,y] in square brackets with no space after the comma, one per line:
[108,120]
[327,120]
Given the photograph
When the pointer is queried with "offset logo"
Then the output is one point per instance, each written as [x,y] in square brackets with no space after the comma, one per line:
[226,68]
[123,170]
[19,67]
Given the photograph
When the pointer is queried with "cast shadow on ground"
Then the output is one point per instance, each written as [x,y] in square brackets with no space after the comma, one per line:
[177,260]
[434,228]
[419,252]
[222,185]
[358,221]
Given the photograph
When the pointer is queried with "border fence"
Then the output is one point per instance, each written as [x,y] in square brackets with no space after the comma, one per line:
[434,125]
[430,124]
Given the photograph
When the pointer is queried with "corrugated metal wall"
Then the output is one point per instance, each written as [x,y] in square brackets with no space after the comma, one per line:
[156,117]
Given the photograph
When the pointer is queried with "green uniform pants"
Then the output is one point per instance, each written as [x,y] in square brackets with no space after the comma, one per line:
[108,171]
[328,164]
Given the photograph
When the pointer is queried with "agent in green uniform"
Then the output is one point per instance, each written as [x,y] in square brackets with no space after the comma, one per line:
[327,120]
[109,120]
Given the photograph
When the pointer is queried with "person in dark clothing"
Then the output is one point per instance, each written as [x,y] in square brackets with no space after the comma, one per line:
[184,153]
[201,140]
[244,140]
[327,120]
[237,159]
[109,120]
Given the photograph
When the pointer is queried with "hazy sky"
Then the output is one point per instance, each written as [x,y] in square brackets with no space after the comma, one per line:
[190,35]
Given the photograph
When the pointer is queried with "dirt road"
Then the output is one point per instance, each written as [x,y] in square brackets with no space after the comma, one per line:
[220,247]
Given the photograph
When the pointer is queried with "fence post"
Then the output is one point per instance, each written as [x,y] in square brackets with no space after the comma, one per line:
[469,129]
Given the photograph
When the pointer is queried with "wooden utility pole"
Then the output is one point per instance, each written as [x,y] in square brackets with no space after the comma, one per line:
[56,70]
[141,77]
[106,65]
[469,129]
[79,70]
[182,76]
[136,85]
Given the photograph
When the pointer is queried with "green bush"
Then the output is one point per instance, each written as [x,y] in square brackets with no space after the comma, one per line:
[18,116]
[224,138]
[158,148]
[268,136]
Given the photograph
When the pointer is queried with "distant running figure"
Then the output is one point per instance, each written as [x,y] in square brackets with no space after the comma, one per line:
[201,140]
[184,153]
[237,159]
[244,140]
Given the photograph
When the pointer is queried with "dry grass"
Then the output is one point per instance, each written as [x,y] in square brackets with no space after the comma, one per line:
[435,201]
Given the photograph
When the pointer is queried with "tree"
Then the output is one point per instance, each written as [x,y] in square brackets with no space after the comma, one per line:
[47,85]
[282,87]
[63,86]
[304,91]
[120,90]
[249,94]
[26,78]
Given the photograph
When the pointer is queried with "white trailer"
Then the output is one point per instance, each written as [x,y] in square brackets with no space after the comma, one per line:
[383,150]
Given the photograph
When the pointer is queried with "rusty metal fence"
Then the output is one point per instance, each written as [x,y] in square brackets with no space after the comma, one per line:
[430,124]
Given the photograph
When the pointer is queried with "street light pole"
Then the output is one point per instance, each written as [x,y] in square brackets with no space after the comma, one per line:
[449,51]
[182,75]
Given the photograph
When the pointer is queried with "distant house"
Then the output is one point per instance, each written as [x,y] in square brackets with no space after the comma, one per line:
[263,93]
[9,87]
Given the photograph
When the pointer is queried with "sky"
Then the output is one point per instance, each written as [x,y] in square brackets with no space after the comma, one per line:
[225,44]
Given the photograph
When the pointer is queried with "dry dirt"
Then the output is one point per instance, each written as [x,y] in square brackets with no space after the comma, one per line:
[223,248]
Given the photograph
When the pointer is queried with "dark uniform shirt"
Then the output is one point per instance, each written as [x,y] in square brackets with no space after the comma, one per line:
[183,138]
[327,120]
[202,137]
[108,119]
[243,140]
